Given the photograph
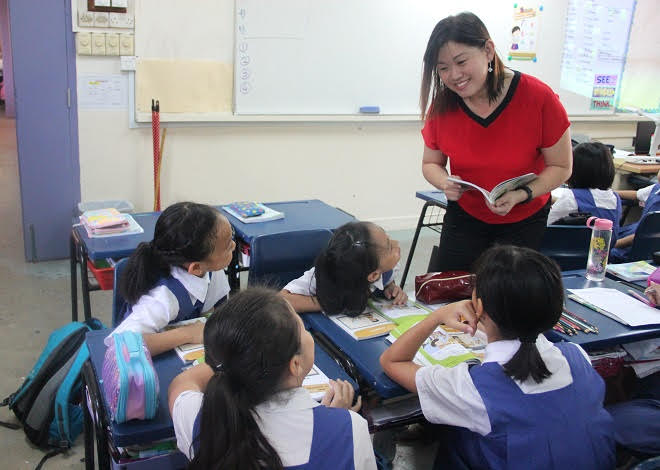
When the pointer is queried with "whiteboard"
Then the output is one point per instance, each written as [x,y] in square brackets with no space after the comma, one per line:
[332,57]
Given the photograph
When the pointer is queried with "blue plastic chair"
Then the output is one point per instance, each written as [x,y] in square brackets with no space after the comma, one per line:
[647,238]
[276,259]
[568,245]
[118,302]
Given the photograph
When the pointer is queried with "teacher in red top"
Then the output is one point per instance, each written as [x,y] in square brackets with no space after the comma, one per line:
[490,124]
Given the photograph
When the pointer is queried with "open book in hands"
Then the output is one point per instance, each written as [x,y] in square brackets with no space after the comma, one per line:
[503,187]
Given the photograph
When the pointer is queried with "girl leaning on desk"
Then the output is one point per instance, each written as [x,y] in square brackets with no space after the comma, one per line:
[491,123]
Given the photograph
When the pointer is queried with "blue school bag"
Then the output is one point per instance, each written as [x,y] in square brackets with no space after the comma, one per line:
[130,381]
[48,403]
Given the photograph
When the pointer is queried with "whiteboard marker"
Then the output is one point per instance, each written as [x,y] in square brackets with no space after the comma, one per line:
[370,109]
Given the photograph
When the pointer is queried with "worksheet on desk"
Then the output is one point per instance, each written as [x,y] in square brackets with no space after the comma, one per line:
[622,307]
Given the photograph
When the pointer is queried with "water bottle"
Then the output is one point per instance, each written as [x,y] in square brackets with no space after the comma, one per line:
[599,248]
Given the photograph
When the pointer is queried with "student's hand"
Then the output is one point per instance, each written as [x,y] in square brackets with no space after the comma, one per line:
[195,331]
[653,293]
[395,293]
[458,315]
[453,191]
[340,395]
[507,201]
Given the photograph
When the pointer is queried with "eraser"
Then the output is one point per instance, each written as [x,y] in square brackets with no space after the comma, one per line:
[370,109]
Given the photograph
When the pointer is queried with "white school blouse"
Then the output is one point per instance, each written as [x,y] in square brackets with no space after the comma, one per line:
[566,203]
[306,284]
[448,396]
[155,309]
[287,422]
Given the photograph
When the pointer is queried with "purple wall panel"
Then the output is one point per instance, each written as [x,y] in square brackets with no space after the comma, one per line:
[46,127]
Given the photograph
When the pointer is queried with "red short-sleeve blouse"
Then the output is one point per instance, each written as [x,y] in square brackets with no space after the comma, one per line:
[504,145]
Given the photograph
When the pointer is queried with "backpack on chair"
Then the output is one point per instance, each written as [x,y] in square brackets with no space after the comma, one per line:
[48,403]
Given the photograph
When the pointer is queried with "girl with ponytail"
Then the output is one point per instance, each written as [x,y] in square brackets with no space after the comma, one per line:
[244,408]
[531,403]
[177,276]
[360,259]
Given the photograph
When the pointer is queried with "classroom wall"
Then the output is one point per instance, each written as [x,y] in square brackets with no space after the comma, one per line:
[371,170]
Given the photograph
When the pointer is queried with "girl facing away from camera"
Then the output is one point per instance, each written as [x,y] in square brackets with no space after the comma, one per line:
[177,276]
[244,408]
[531,403]
[359,260]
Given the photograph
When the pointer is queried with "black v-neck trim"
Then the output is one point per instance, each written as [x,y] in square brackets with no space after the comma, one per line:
[485,122]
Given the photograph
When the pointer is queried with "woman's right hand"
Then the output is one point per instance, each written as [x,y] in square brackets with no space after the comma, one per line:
[341,395]
[452,190]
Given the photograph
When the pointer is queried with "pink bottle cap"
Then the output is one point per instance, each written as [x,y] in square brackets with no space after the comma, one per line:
[599,224]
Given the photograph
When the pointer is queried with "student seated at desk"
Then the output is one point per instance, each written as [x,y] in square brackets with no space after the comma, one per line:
[245,407]
[177,276]
[360,258]
[589,187]
[530,404]
[649,198]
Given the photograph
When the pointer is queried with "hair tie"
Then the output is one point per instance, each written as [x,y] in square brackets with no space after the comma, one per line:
[219,368]
[528,339]
[354,242]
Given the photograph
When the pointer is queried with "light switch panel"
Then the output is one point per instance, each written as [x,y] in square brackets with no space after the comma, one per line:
[101,19]
[98,44]
[111,44]
[85,19]
[84,43]
[125,44]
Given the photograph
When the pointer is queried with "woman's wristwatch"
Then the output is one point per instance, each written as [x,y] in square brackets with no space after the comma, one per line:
[529,194]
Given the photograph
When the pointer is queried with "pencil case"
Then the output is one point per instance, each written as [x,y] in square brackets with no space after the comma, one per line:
[130,381]
[247,209]
[654,277]
[443,286]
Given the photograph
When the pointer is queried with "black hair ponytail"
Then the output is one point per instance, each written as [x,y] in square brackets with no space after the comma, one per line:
[185,232]
[249,342]
[522,293]
[342,269]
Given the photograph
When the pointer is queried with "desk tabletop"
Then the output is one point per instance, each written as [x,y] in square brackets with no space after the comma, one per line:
[640,168]
[365,354]
[433,195]
[168,365]
[611,332]
[298,215]
[311,214]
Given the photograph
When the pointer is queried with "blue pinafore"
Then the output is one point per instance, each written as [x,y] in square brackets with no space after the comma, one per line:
[563,428]
[586,203]
[652,204]
[332,440]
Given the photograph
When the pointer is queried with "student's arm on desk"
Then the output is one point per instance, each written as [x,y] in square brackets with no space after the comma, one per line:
[166,340]
[397,360]
[301,303]
[195,379]
[625,241]
[629,194]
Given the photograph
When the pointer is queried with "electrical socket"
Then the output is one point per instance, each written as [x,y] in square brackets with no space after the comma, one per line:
[111,44]
[98,44]
[85,19]
[84,43]
[126,44]
[101,19]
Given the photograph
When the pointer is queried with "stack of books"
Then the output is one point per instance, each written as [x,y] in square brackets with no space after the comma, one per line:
[107,222]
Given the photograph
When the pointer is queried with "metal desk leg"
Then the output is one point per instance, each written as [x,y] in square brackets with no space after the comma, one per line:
[88,430]
[413,245]
[233,272]
[84,283]
[73,258]
[97,421]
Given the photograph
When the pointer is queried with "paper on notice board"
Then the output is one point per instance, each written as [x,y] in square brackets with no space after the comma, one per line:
[184,86]
[107,91]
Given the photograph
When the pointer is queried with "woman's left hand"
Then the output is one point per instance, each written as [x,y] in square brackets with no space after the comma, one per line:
[506,202]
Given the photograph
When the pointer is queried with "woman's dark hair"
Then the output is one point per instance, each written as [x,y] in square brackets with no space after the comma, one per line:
[185,232]
[342,269]
[249,341]
[522,293]
[464,28]
[593,166]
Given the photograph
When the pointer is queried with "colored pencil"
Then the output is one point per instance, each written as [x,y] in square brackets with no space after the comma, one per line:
[577,317]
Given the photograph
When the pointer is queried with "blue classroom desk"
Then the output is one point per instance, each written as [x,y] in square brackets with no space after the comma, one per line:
[611,332]
[298,215]
[167,365]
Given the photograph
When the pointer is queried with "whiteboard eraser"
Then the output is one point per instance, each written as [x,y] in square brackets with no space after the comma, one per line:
[370,109]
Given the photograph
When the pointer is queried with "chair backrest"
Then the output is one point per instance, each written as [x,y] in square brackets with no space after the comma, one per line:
[118,301]
[568,245]
[647,238]
[276,259]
